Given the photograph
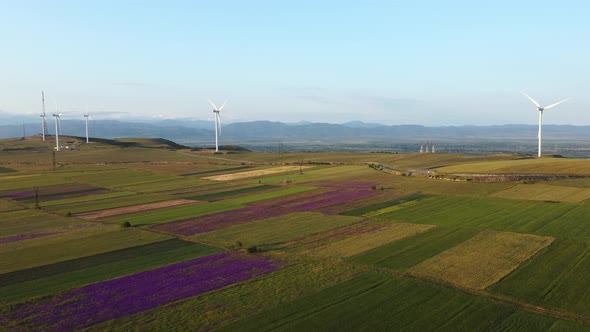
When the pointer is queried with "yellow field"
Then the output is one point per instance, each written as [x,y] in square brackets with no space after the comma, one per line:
[482,260]
[524,166]
[364,242]
[543,192]
[255,173]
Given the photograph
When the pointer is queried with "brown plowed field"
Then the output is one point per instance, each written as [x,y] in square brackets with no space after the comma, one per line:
[133,208]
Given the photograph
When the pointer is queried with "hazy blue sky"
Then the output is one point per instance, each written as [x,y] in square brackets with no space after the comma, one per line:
[394,62]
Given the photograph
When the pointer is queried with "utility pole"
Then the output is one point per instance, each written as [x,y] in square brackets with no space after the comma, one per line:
[53,154]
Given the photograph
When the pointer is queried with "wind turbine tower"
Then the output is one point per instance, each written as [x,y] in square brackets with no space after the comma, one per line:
[44,130]
[541,109]
[217,123]
[87,118]
[57,119]
[432,145]
[421,148]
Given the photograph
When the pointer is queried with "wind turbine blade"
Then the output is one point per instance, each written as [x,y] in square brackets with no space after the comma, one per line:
[219,124]
[210,102]
[553,105]
[225,102]
[529,97]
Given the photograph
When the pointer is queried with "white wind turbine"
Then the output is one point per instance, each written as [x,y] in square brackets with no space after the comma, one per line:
[541,109]
[217,123]
[87,118]
[44,130]
[57,127]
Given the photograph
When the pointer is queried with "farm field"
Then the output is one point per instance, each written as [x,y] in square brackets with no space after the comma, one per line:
[543,192]
[532,165]
[157,237]
[482,260]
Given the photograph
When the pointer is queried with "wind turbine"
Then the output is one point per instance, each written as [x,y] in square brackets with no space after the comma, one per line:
[541,109]
[57,120]
[87,118]
[217,122]
[44,130]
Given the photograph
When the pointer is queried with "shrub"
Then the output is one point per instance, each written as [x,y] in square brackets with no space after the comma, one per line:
[253,249]
[126,224]
[68,214]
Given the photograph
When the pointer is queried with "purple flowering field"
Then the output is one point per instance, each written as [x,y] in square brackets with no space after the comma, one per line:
[266,209]
[141,291]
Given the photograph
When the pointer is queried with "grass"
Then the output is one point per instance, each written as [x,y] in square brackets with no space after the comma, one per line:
[560,220]
[407,252]
[50,279]
[107,203]
[7,170]
[213,309]
[524,166]
[375,302]
[558,278]
[197,210]
[482,260]
[357,244]
[89,198]
[375,207]
[71,245]
[7,205]
[232,192]
[273,233]
[36,221]
[29,181]
[544,192]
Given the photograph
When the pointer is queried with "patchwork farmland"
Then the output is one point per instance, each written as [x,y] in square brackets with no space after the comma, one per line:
[163,239]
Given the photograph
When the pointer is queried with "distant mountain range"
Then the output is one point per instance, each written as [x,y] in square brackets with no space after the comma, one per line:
[202,131]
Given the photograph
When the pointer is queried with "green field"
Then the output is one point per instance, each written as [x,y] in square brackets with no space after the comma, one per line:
[360,243]
[412,253]
[525,166]
[375,302]
[197,210]
[274,233]
[405,253]
[70,245]
[48,279]
[556,279]
[544,192]
[35,221]
[560,220]
[482,260]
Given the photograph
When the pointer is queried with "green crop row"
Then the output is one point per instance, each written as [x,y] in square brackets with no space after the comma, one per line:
[560,220]
[375,302]
[106,203]
[405,253]
[213,309]
[275,232]
[374,207]
[232,192]
[558,278]
[70,245]
[57,277]
[89,198]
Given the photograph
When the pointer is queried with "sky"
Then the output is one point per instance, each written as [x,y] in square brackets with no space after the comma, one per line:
[433,63]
